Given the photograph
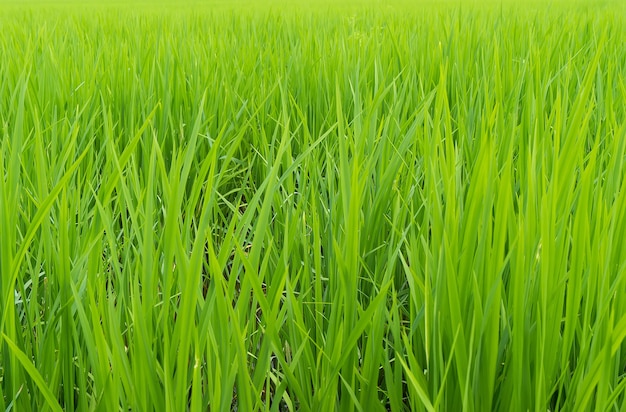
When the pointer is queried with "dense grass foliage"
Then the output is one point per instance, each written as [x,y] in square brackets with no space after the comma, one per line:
[356,209]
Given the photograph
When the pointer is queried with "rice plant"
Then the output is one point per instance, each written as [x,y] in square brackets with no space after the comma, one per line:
[366,206]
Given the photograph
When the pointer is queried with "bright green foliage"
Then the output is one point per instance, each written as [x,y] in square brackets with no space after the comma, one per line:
[359,208]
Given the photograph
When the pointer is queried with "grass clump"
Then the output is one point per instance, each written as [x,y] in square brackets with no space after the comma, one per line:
[389,207]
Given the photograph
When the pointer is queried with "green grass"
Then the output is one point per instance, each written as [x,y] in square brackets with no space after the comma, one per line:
[365,207]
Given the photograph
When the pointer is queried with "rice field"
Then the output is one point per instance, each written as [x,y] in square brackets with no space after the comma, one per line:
[365,206]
